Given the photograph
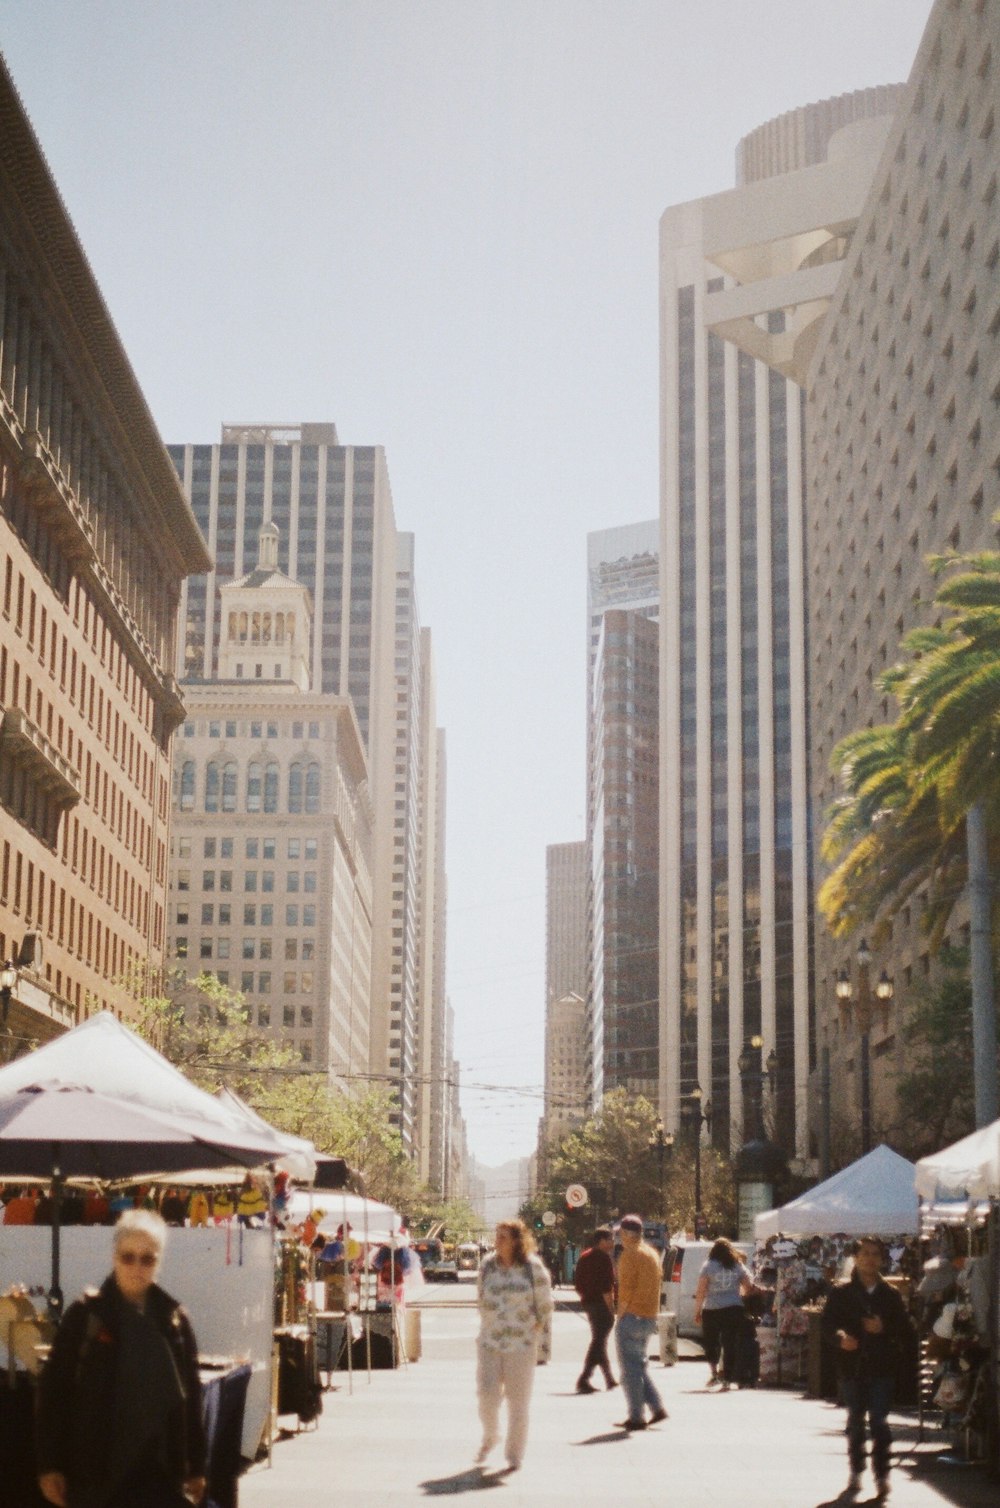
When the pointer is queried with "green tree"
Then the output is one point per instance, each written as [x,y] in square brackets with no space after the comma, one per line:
[205,1029]
[613,1155]
[922,809]
[933,1093]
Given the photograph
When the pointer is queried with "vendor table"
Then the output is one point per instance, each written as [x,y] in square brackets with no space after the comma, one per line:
[224,1394]
[224,1400]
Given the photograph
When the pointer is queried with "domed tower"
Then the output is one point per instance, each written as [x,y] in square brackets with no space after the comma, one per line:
[266,622]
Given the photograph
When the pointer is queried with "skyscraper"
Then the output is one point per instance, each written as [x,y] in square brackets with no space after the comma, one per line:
[903,416]
[623,584]
[735,836]
[333,507]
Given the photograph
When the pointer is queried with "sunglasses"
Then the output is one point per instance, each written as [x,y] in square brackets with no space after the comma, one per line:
[144,1258]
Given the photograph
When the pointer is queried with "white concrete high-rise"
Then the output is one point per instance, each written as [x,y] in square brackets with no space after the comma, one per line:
[736,925]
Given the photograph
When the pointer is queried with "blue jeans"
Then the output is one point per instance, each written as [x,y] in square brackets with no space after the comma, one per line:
[871,1396]
[632,1335]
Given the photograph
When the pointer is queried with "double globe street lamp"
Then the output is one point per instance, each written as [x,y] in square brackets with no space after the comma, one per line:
[863,1007]
[661,1145]
[695,1115]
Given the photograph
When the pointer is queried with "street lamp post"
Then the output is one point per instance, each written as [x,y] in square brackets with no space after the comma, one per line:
[863,1008]
[662,1144]
[753,1077]
[8,979]
[697,1116]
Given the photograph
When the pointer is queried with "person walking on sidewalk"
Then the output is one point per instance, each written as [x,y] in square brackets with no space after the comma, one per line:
[723,1283]
[867,1322]
[638,1307]
[515,1302]
[594,1281]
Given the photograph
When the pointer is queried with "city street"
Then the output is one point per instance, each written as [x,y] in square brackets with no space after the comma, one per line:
[413,1433]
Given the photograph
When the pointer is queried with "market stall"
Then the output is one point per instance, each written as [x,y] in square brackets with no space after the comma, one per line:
[959,1189]
[802,1246]
[161,1123]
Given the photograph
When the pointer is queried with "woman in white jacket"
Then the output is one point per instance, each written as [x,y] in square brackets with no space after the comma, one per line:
[515,1302]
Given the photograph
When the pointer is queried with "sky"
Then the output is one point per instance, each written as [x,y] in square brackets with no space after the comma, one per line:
[435,224]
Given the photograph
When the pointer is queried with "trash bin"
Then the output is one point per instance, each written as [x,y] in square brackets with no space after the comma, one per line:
[412,1338]
[667,1326]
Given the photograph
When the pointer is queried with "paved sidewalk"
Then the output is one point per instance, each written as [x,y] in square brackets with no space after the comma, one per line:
[412,1434]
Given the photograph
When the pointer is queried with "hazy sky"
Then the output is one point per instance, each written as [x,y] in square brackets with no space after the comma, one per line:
[434,222]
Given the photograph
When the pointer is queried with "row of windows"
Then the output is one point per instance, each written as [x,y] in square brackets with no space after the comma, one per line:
[261,791]
[253,729]
[50,908]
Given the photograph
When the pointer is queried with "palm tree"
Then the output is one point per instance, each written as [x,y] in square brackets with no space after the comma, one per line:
[922,807]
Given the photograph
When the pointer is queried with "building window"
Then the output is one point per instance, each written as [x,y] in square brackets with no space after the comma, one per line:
[291,950]
[267,916]
[308,949]
[255,780]
[288,1014]
[310,848]
[249,916]
[222,947]
[209,848]
[206,948]
[251,848]
[291,916]
[295,788]
[272,730]
[187,786]
[314,730]
[307,1015]
[207,915]
[312,788]
[250,881]
[309,882]
[212,787]
[229,787]
[293,848]
[292,881]
[271,788]
[308,916]
[264,983]
[248,948]
[225,914]
[265,947]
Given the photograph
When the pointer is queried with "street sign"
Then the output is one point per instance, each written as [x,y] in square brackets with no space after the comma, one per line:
[548,1218]
[576,1196]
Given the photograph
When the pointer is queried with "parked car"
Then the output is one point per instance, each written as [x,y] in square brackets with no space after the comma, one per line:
[681,1280]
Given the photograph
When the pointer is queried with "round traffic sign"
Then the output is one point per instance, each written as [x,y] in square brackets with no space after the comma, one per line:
[576,1196]
[548,1218]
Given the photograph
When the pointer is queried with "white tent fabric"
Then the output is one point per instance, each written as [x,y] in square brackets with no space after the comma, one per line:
[103,1054]
[968,1169]
[874,1196]
[298,1159]
[369,1220]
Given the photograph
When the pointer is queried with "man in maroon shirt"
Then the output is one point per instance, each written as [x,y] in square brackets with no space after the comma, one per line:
[594,1281]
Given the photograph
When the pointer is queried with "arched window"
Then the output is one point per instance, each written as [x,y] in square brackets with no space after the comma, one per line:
[255,628]
[229,787]
[187,786]
[271,788]
[254,779]
[243,627]
[267,628]
[279,628]
[295,788]
[312,788]
[212,787]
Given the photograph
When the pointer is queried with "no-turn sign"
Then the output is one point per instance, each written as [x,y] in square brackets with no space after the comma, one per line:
[576,1196]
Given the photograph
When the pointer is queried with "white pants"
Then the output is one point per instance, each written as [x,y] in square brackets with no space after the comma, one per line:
[505,1374]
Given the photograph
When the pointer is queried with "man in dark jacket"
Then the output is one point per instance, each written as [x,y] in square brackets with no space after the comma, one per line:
[867,1322]
[594,1281]
[119,1402]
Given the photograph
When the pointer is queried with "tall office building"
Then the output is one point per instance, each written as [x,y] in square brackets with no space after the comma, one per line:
[624,879]
[95,540]
[565,919]
[735,837]
[565,1101]
[271,837]
[903,417]
[338,538]
[623,573]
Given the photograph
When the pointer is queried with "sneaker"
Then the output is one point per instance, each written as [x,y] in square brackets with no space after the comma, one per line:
[658,1416]
[713,1381]
[631,1424]
[611,1382]
[881,1488]
[583,1386]
[725,1387]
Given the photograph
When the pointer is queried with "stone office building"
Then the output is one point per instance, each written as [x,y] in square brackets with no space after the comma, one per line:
[96,538]
[271,853]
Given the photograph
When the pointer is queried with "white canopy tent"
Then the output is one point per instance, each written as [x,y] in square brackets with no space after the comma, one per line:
[298,1159]
[368,1218]
[103,1054]
[968,1169]
[874,1196]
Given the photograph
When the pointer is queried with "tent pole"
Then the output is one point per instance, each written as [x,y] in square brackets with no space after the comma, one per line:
[55,1297]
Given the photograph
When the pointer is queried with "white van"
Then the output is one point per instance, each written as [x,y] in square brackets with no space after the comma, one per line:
[679,1291]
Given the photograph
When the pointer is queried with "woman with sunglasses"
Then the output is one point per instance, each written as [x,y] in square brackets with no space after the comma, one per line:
[119,1407]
